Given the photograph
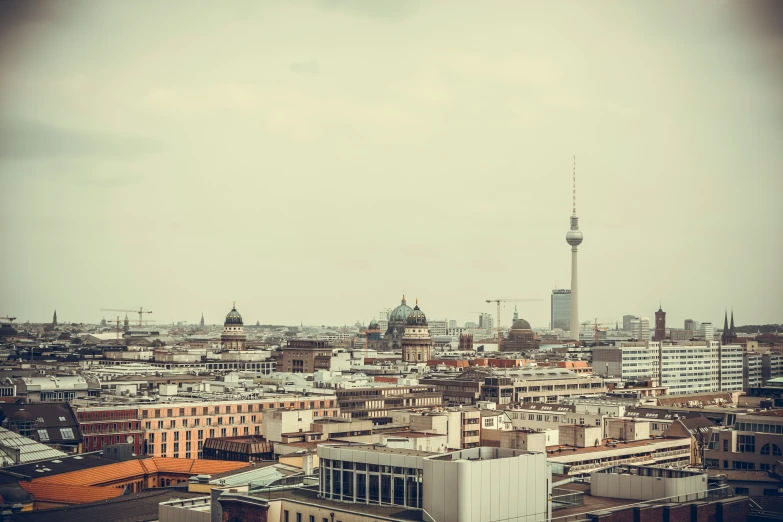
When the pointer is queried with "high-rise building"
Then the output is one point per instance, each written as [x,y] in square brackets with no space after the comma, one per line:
[660,324]
[640,328]
[574,238]
[485,321]
[690,325]
[707,331]
[560,308]
[627,322]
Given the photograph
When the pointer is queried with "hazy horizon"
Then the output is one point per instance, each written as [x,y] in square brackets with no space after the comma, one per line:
[313,160]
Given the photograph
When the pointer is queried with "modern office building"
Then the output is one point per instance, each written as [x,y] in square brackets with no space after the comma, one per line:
[640,328]
[707,332]
[560,309]
[627,322]
[752,370]
[492,484]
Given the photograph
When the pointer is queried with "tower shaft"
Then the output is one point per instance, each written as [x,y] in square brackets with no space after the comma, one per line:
[574,297]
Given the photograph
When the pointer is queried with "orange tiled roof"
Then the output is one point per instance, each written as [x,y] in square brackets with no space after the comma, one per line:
[69,493]
[97,475]
[135,468]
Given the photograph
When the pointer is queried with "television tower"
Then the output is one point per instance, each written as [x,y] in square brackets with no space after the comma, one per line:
[574,238]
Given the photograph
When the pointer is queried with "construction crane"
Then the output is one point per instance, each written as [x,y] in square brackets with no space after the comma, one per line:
[597,328]
[140,311]
[498,301]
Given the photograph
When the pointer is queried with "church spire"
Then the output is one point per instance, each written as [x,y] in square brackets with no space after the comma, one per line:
[54,319]
[726,321]
[731,328]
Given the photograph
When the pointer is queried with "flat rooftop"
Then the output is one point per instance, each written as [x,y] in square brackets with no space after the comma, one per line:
[374,448]
[553,452]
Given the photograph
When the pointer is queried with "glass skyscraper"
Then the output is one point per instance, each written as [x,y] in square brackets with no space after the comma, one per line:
[561,309]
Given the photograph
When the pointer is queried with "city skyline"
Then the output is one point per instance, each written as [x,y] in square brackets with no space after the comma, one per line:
[158,168]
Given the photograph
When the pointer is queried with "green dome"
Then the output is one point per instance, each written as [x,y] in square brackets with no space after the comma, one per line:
[401,313]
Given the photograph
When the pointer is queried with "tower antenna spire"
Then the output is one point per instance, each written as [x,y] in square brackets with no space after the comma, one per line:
[574,213]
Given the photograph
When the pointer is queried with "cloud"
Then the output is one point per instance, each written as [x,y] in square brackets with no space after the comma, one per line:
[22,139]
[379,11]
[306,68]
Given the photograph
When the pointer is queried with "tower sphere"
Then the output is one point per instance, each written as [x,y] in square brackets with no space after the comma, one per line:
[574,237]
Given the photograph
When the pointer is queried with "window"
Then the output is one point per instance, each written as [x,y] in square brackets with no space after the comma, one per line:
[488,422]
[741,491]
[43,435]
[746,444]
[765,449]
[62,419]
[285,516]
[298,517]
[67,433]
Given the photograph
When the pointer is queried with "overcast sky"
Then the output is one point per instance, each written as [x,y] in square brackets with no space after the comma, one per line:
[312,160]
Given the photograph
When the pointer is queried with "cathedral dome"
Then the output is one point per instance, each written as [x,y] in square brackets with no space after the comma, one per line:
[521,324]
[401,313]
[417,317]
[233,317]
[373,324]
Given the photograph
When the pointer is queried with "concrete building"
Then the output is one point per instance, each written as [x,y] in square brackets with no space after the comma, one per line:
[494,484]
[752,370]
[279,422]
[640,328]
[628,362]
[306,356]
[376,402]
[771,366]
[627,322]
[649,483]
[754,442]
[707,332]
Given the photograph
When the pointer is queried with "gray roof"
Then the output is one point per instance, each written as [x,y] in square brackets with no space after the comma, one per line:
[29,450]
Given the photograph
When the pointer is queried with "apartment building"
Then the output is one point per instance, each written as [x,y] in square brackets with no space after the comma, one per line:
[178,429]
[515,385]
[377,402]
[754,442]
[771,366]
[307,356]
[684,367]
[752,370]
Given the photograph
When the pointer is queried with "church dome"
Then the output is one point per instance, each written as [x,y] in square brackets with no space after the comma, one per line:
[401,313]
[233,317]
[417,317]
[373,324]
[521,324]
